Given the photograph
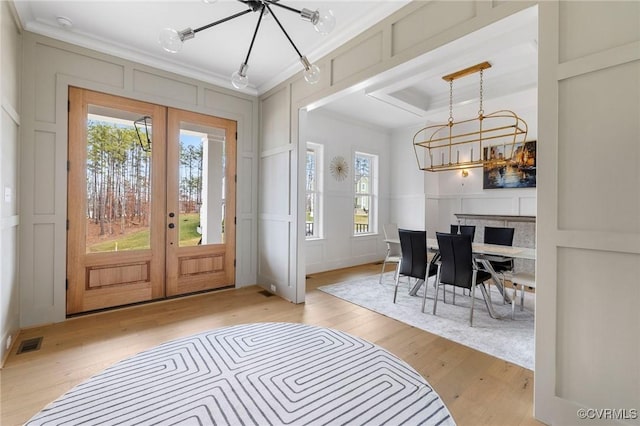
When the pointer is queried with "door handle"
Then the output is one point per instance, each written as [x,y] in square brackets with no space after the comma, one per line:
[171,226]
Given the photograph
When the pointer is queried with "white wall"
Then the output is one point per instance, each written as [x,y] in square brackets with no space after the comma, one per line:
[408,191]
[587,316]
[10,51]
[339,248]
[587,47]
[50,67]
[277,218]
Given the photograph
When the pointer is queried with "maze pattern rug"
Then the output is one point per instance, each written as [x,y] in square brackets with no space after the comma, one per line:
[254,374]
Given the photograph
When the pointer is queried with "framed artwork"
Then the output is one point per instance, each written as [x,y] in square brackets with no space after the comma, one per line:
[518,171]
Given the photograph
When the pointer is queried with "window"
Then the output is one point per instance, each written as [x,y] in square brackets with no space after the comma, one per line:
[366,189]
[313,202]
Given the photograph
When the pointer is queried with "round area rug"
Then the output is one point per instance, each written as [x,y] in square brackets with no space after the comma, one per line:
[256,374]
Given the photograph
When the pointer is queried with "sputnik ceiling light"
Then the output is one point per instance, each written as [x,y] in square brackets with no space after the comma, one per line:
[486,140]
[323,21]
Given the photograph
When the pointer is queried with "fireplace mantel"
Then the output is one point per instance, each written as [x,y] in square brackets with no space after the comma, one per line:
[506,218]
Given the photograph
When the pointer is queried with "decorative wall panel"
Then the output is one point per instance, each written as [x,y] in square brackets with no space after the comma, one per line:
[581,37]
[157,85]
[431,19]
[63,61]
[44,179]
[362,56]
[591,107]
[274,200]
[43,265]
[586,320]
[273,266]
[275,121]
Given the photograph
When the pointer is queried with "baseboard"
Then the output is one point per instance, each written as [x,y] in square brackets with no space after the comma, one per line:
[4,351]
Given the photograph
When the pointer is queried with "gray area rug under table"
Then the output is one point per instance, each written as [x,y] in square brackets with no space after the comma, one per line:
[504,338]
[254,374]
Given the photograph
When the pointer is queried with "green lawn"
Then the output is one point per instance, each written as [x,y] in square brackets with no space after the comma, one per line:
[135,241]
[140,240]
[188,229]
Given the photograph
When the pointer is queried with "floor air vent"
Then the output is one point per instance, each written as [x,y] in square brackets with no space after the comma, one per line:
[29,345]
[265,293]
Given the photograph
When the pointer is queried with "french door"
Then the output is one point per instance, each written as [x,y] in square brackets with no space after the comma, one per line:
[151,202]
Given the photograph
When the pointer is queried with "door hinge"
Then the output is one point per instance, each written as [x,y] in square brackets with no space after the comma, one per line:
[67,224]
[66,284]
[236,135]
[234,263]
[235,220]
[68,106]
[68,165]
[235,178]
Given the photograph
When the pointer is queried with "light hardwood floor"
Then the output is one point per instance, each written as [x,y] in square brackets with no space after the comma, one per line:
[477,388]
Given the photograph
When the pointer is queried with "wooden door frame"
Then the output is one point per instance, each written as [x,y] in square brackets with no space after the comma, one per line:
[82,266]
[179,281]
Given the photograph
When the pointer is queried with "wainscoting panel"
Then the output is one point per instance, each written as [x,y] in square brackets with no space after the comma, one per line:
[431,19]
[157,85]
[578,207]
[583,318]
[274,237]
[43,265]
[44,178]
[65,61]
[362,56]
[486,205]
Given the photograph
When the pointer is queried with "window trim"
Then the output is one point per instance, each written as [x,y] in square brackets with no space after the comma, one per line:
[372,193]
[318,222]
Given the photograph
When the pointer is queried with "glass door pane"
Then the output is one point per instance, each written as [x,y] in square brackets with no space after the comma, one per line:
[118,204]
[201,185]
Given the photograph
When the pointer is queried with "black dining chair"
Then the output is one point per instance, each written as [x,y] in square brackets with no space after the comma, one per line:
[501,237]
[469,230]
[457,268]
[413,263]
[464,230]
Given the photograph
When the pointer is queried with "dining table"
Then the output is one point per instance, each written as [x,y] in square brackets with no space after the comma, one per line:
[484,254]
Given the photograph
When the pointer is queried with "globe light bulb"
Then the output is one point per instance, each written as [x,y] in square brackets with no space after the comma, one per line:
[170,40]
[324,21]
[312,74]
[239,79]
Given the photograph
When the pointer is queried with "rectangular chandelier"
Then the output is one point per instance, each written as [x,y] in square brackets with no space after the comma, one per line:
[469,143]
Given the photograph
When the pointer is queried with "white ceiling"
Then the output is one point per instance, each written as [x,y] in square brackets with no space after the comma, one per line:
[130,29]
[407,95]
[415,93]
